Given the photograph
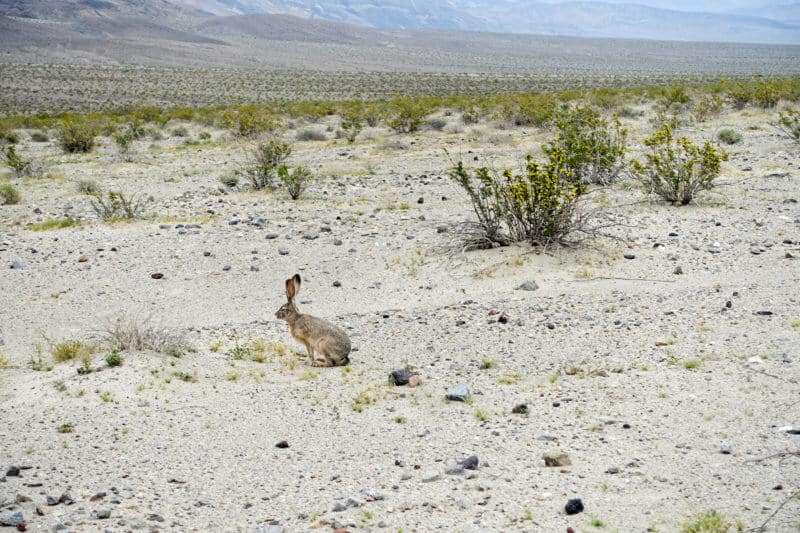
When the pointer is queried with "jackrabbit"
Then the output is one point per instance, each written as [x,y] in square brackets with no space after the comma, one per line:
[315,333]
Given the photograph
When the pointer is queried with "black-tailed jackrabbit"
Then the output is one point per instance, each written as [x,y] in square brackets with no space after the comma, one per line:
[316,334]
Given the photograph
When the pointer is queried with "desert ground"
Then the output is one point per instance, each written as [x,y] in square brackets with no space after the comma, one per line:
[662,360]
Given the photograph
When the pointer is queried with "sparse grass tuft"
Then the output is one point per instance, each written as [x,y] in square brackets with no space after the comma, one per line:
[55,223]
[129,334]
[9,194]
[707,522]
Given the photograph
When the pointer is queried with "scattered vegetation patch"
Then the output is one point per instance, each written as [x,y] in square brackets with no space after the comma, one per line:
[76,135]
[117,206]
[789,124]
[9,194]
[707,522]
[295,180]
[131,334]
[114,358]
[70,350]
[55,223]
[263,162]
[729,136]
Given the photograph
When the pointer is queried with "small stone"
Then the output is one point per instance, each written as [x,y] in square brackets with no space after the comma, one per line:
[103,513]
[352,501]
[612,470]
[226,268]
[338,507]
[725,448]
[629,256]
[50,500]
[574,506]
[83,259]
[271,236]
[11,518]
[400,377]
[520,409]
[18,264]
[337,242]
[282,444]
[254,268]
[13,471]
[311,235]
[206,254]
[233,222]
[528,286]
[420,200]
[155,518]
[66,499]
[678,270]
[459,393]
[556,459]
[337,283]
[431,476]
[441,229]
[414,381]
[157,275]
[282,250]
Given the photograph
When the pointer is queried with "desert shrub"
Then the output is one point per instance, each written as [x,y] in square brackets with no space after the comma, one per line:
[263,162]
[676,94]
[180,131]
[229,180]
[352,123]
[407,114]
[76,135]
[740,95]
[594,148]
[630,112]
[766,93]
[538,205]
[9,194]
[88,187]
[70,350]
[7,136]
[729,136]
[124,141]
[310,134]
[136,129]
[114,359]
[789,124]
[709,105]
[707,522]
[204,136]
[470,115]
[130,333]
[117,206]
[677,169]
[529,109]
[295,180]
[374,112]
[19,166]
[251,120]
[39,137]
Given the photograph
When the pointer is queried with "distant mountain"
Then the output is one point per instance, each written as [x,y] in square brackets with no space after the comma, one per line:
[775,23]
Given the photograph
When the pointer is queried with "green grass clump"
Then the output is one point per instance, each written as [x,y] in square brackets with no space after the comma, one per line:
[76,135]
[67,427]
[55,223]
[69,350]
[708,522]
[114,358]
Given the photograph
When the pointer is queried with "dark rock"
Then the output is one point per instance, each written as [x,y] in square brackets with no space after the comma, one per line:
[271,236]
[233,222]
[420,200]
[282,250]
[226,268]
[282,444]
[103,513]
[574,506]
[400,377]
[66,499]
[629,256]
[337,242]
[470,463]
[157,275]
[206,254]
[11,518]
[678,270]
[441,229]
[528,286]
[337,283]
[13,471]
[155,518]
[52,500]
[520,409]
[763,313]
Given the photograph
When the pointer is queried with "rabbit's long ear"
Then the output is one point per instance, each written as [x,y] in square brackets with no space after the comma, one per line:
[290,289]
[296,281]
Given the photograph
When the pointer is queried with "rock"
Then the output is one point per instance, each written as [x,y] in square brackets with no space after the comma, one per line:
[66,499]
[337,242]
[233,222]
[352,501]
[763,313]
[18,264]
[254,268]
[11,518]
[337,283]
[83,259]
[157,275]
[103,513]
[226,268]
[338,507]
[282,444]
[51,500]
[470,463]
[556,459]
[400,377]
[441,229]
[574,506]
[13,471]
[520,409]
[282,250]
[271,236]
[612,470]
[459,393]
[21,498]
[420,200]
[725,448]
[431,476]
[325,228]
[155,517]
[528,286]
[629,256]
[311,235]
[414,381]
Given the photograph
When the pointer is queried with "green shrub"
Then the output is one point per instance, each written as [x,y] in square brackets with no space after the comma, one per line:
[529,109]
[295,180]
[740,95]
[729,136]
[114,358]
[88,187]
[9,194]
[707,106]
[251,120]
[789,124]
[69,350]
[708,522]
[39,137]
[229,180]
[593,147]
[310,135]
[538,205]
[180,131]
[676,94]
[123,142]
[55,223]
[117,206]
[470,115]
[76,135]
[766,93]
[18,165]
[407,114]
[677,169]
[262,164]
[352,123]
[204,136]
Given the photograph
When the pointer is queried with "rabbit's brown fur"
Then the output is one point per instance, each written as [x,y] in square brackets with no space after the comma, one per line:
[316,334]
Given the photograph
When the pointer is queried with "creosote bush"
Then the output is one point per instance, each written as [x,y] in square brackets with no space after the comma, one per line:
[76,135]
[117,206]
[262,164]
[538,205]
[251,120]
[677,169]
[295,180]
[408,113]
[594,149]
